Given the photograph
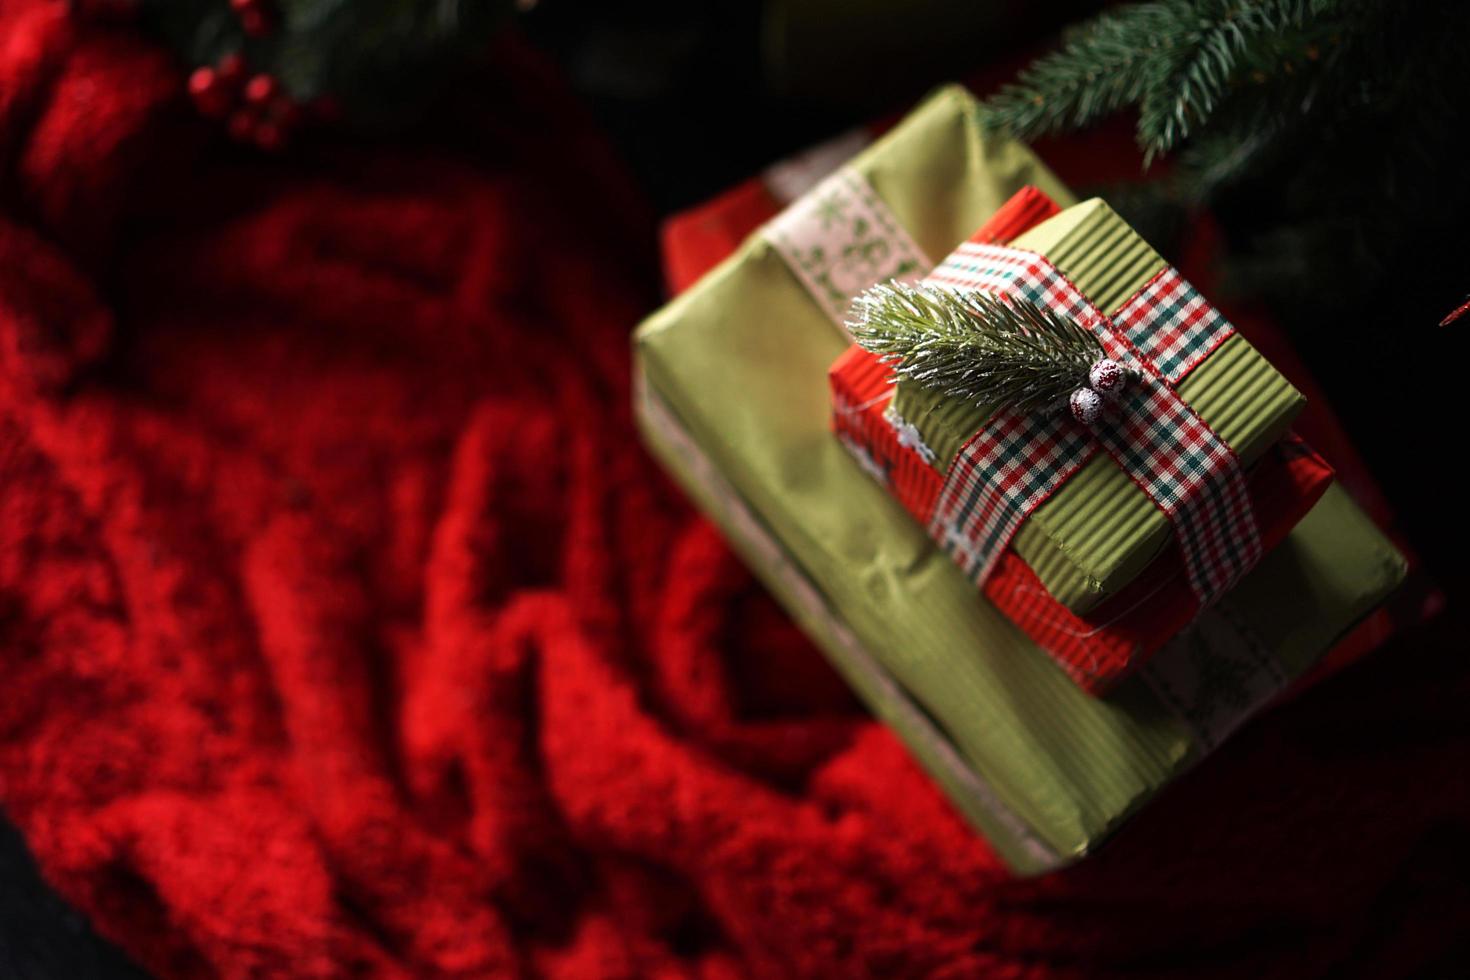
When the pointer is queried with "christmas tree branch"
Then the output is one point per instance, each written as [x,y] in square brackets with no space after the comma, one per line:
[1176,60]
[1208,60]
[1104,65]
[996,353]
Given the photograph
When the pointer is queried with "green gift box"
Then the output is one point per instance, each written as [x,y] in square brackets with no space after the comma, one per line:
[732,397]
[1099,531]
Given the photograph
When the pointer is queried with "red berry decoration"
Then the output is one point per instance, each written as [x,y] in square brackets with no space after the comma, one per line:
[1108,378]
[258,110]
[209,93]
[231,70]
[203,81]
[256,17]
[1086,405]
[261,89]
[255,23]
[242,125]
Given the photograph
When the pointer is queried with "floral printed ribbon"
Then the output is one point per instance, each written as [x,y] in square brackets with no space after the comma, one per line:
[840,238]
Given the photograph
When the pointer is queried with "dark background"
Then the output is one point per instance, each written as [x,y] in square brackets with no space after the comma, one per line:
[697,96]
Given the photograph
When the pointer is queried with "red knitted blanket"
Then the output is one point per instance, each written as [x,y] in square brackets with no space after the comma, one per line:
[344,626]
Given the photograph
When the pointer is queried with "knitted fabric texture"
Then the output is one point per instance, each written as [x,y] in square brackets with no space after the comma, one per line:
[345,629]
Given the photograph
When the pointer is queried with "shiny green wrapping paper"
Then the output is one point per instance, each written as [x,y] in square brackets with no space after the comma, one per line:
[734,400]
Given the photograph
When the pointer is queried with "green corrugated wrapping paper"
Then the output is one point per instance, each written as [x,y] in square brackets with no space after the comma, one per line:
[733,398]
[1099,530]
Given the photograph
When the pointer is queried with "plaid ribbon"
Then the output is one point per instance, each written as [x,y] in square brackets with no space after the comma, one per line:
[1016,461]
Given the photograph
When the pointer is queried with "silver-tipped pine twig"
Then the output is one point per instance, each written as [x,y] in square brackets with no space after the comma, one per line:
[995,353]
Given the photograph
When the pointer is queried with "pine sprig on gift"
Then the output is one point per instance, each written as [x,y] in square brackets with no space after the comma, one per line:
[995,353]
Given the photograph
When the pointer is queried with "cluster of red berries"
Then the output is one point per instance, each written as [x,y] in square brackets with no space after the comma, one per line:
[256,109]
[257,17]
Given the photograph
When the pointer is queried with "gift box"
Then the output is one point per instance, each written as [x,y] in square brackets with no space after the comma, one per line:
[732,395]
[1094,572]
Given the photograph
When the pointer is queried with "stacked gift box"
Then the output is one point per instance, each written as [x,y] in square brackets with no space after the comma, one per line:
[1058,617]
[1093,573]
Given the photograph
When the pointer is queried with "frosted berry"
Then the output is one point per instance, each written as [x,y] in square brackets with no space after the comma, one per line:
[1108,378]
[1086,405]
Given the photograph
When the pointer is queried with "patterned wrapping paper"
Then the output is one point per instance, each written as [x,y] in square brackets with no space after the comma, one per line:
[733,398]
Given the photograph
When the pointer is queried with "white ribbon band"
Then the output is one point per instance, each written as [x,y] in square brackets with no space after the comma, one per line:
[840,238]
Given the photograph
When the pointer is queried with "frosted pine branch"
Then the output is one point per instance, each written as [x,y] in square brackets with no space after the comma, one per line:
[995,353]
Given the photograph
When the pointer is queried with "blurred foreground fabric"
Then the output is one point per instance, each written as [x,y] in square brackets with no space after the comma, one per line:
[346,629]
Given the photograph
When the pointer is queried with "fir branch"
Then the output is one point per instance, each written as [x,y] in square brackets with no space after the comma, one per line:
[1206,60]
[1105,65]
[1323,132]
[995,353]
[1176,60]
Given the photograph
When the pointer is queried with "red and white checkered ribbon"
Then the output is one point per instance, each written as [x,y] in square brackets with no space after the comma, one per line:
[1016,461]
